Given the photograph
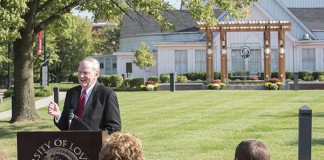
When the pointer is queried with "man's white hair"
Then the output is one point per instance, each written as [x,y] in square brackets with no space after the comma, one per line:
[93,63]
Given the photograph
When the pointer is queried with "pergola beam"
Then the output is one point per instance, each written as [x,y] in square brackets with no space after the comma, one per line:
[245,26]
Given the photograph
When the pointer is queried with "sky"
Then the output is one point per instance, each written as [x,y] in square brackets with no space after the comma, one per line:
[175,3]
[88,15]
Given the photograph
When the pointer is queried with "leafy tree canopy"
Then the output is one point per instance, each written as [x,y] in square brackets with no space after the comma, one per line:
[21,20]
[143,58]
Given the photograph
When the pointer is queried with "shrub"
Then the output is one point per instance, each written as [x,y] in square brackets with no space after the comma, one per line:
[136,82]
[303,74]
[317,74]
[165,78]
[111,80]
[308,78]
[153,78]
[290,75]
[39,91]
[104,79]
[7,93]
[63,86]
[182,79]
[115,81]
[217,75]
[321,78]
[43,91]
[275,74]
[126,82]
[261,75]
[193,76]
[75,77]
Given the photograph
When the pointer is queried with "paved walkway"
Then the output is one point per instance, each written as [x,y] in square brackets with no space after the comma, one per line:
[39,104]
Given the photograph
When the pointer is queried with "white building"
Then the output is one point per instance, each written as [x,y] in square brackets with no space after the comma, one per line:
[184,50]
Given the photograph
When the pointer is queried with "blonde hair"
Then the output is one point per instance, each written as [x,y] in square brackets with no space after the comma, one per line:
[122,146]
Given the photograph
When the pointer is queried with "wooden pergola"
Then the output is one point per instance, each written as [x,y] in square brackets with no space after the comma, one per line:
[245,26]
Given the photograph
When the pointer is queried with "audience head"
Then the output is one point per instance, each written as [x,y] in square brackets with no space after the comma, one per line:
[3,155]
[252,150]
[122,146]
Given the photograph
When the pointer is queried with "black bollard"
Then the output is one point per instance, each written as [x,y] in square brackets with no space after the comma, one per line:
[172,81]
[296,81]
[56,95]
[305,133]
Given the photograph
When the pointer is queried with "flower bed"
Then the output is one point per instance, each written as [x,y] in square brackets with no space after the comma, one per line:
[150,86]
[216,84]
[273,84]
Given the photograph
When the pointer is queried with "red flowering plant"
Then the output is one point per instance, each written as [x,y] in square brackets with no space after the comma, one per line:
[254,78]
[273,84]
[150,85]
[216,84]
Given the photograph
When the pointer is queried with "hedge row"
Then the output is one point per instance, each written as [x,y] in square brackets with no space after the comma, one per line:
[39,91]
[118,81]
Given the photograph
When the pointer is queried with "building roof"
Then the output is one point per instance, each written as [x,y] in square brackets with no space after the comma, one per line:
[312,18]
[137,23]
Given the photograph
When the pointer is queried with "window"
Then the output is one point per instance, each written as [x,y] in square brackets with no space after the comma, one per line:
[114,65]
[200,60]
[274,60]
[243,65]
[308,59]
[101,65]
[129,68]
[181,61]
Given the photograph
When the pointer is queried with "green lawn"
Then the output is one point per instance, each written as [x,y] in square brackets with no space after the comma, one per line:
[206,124]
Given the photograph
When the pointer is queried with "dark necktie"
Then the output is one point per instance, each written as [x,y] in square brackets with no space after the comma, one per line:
[81,103]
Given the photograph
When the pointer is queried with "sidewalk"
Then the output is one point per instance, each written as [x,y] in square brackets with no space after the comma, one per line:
[39,104]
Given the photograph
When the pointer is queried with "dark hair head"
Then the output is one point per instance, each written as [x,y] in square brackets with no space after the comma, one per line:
[252,150]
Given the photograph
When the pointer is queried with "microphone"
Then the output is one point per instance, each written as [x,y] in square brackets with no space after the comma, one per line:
[74,101]
[71,116]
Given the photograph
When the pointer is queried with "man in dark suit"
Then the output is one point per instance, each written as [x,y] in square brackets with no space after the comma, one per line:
[94,103]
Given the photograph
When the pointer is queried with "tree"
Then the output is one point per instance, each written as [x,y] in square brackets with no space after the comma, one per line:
[143,58]
[65,50]
[35,15]
[106,40]
[10,22]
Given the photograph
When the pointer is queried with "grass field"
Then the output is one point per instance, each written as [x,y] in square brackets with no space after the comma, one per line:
[207,124]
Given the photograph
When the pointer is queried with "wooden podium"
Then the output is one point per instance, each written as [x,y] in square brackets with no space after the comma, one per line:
[72,145]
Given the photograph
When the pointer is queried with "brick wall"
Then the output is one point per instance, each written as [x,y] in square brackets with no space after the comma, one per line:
[307,85]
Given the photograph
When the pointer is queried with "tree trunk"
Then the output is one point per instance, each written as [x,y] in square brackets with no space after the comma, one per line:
[23,106]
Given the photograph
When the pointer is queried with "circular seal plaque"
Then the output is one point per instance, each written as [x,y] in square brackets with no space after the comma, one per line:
[60,149]
[245,52]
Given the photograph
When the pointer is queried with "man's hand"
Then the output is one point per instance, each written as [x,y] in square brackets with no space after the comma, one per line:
[54,110]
